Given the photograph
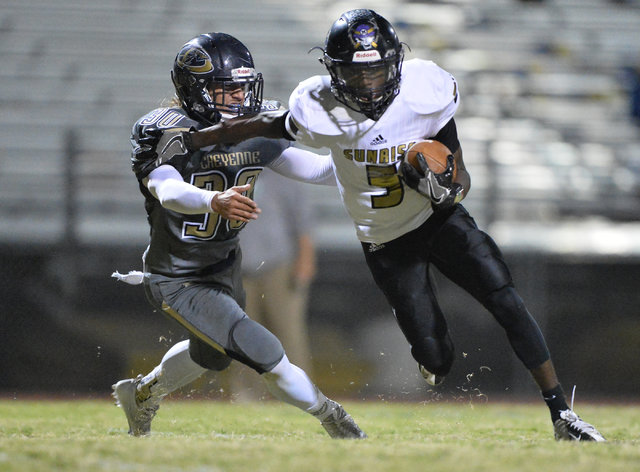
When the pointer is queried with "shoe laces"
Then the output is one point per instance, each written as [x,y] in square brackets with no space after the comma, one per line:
[149,406]
[145,414]
[570,415]
[339,424]
[573,420]
[573,396]
[335,413]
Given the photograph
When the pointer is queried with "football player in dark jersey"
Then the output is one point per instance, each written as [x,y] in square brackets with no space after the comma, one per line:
[368,110]
[197,202]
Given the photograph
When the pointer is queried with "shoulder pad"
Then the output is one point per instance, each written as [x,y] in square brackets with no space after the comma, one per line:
[165,118]
[313,107]
[148,130]
[427,88]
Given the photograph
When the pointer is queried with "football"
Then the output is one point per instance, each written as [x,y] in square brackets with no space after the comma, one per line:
[435,154]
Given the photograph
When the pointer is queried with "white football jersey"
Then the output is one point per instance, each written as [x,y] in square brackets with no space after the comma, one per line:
[366,153]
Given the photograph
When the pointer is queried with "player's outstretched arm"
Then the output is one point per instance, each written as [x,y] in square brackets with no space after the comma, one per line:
[166,184]
[267,125]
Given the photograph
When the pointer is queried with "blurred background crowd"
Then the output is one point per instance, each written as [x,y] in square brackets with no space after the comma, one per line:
[549,125]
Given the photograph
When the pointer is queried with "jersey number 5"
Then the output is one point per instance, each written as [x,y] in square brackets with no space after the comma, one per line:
[387,178]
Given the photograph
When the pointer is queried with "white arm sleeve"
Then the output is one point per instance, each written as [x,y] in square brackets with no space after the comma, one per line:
[166,184]
[305,166]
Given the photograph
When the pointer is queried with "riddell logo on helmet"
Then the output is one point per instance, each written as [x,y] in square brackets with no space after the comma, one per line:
[366,56]
[243,73]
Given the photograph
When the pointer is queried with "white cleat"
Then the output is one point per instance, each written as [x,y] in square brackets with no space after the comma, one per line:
[139,416]
[337,422]
[569,427]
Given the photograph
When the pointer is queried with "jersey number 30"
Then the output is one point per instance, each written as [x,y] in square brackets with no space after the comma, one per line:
[210,223]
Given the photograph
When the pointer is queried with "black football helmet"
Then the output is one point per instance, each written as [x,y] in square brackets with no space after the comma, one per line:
[215,59]
[364,58]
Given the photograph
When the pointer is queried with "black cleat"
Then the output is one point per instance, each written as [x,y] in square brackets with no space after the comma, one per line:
[431,379]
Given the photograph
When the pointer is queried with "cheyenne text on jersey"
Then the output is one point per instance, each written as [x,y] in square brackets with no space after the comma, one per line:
[224,159]
[377,156]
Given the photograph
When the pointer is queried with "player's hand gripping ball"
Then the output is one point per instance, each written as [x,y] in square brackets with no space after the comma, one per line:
[435,156]
[429,168]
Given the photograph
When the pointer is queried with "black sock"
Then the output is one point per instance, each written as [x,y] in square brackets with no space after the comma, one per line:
[556,401]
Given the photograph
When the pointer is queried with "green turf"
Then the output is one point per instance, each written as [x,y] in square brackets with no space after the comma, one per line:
[190,435]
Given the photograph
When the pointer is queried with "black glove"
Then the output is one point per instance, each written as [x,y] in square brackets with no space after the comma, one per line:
[144,152]
[156,147]
[150,138]
[438,188]
[454,196]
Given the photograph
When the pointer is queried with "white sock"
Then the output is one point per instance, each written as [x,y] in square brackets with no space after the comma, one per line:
[290,384]
[174,371]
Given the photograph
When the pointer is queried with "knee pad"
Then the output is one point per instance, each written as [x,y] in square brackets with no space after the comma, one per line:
[207,356]
[255,346]
[507,307]
[523,332]
[436,355]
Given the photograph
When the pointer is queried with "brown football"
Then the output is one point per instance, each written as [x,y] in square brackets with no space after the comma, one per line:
[434,152]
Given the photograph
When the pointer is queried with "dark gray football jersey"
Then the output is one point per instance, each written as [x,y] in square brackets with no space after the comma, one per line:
[185,245]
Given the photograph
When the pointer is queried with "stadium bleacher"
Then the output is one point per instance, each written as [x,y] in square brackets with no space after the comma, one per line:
[545,121]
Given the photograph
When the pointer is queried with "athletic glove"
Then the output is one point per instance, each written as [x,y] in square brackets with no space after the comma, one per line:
[144,154]
[157,146]
[150,138]
[438,188]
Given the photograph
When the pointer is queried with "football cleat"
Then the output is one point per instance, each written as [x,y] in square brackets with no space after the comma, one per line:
[569,427]
[337,422]
[431,379]
[139,415]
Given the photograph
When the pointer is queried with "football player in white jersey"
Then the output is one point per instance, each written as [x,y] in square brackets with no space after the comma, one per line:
[369,109]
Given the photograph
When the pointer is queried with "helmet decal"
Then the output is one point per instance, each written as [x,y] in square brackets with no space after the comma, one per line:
[364,35]
[195,60]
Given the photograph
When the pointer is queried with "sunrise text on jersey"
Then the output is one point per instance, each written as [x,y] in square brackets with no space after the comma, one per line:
[377,156]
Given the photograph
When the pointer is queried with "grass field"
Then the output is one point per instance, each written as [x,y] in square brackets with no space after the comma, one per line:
[198,435]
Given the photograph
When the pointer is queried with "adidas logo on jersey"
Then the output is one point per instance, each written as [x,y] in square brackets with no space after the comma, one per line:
[378,140]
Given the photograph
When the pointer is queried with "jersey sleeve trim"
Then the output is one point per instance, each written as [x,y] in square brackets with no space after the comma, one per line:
[291,128]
